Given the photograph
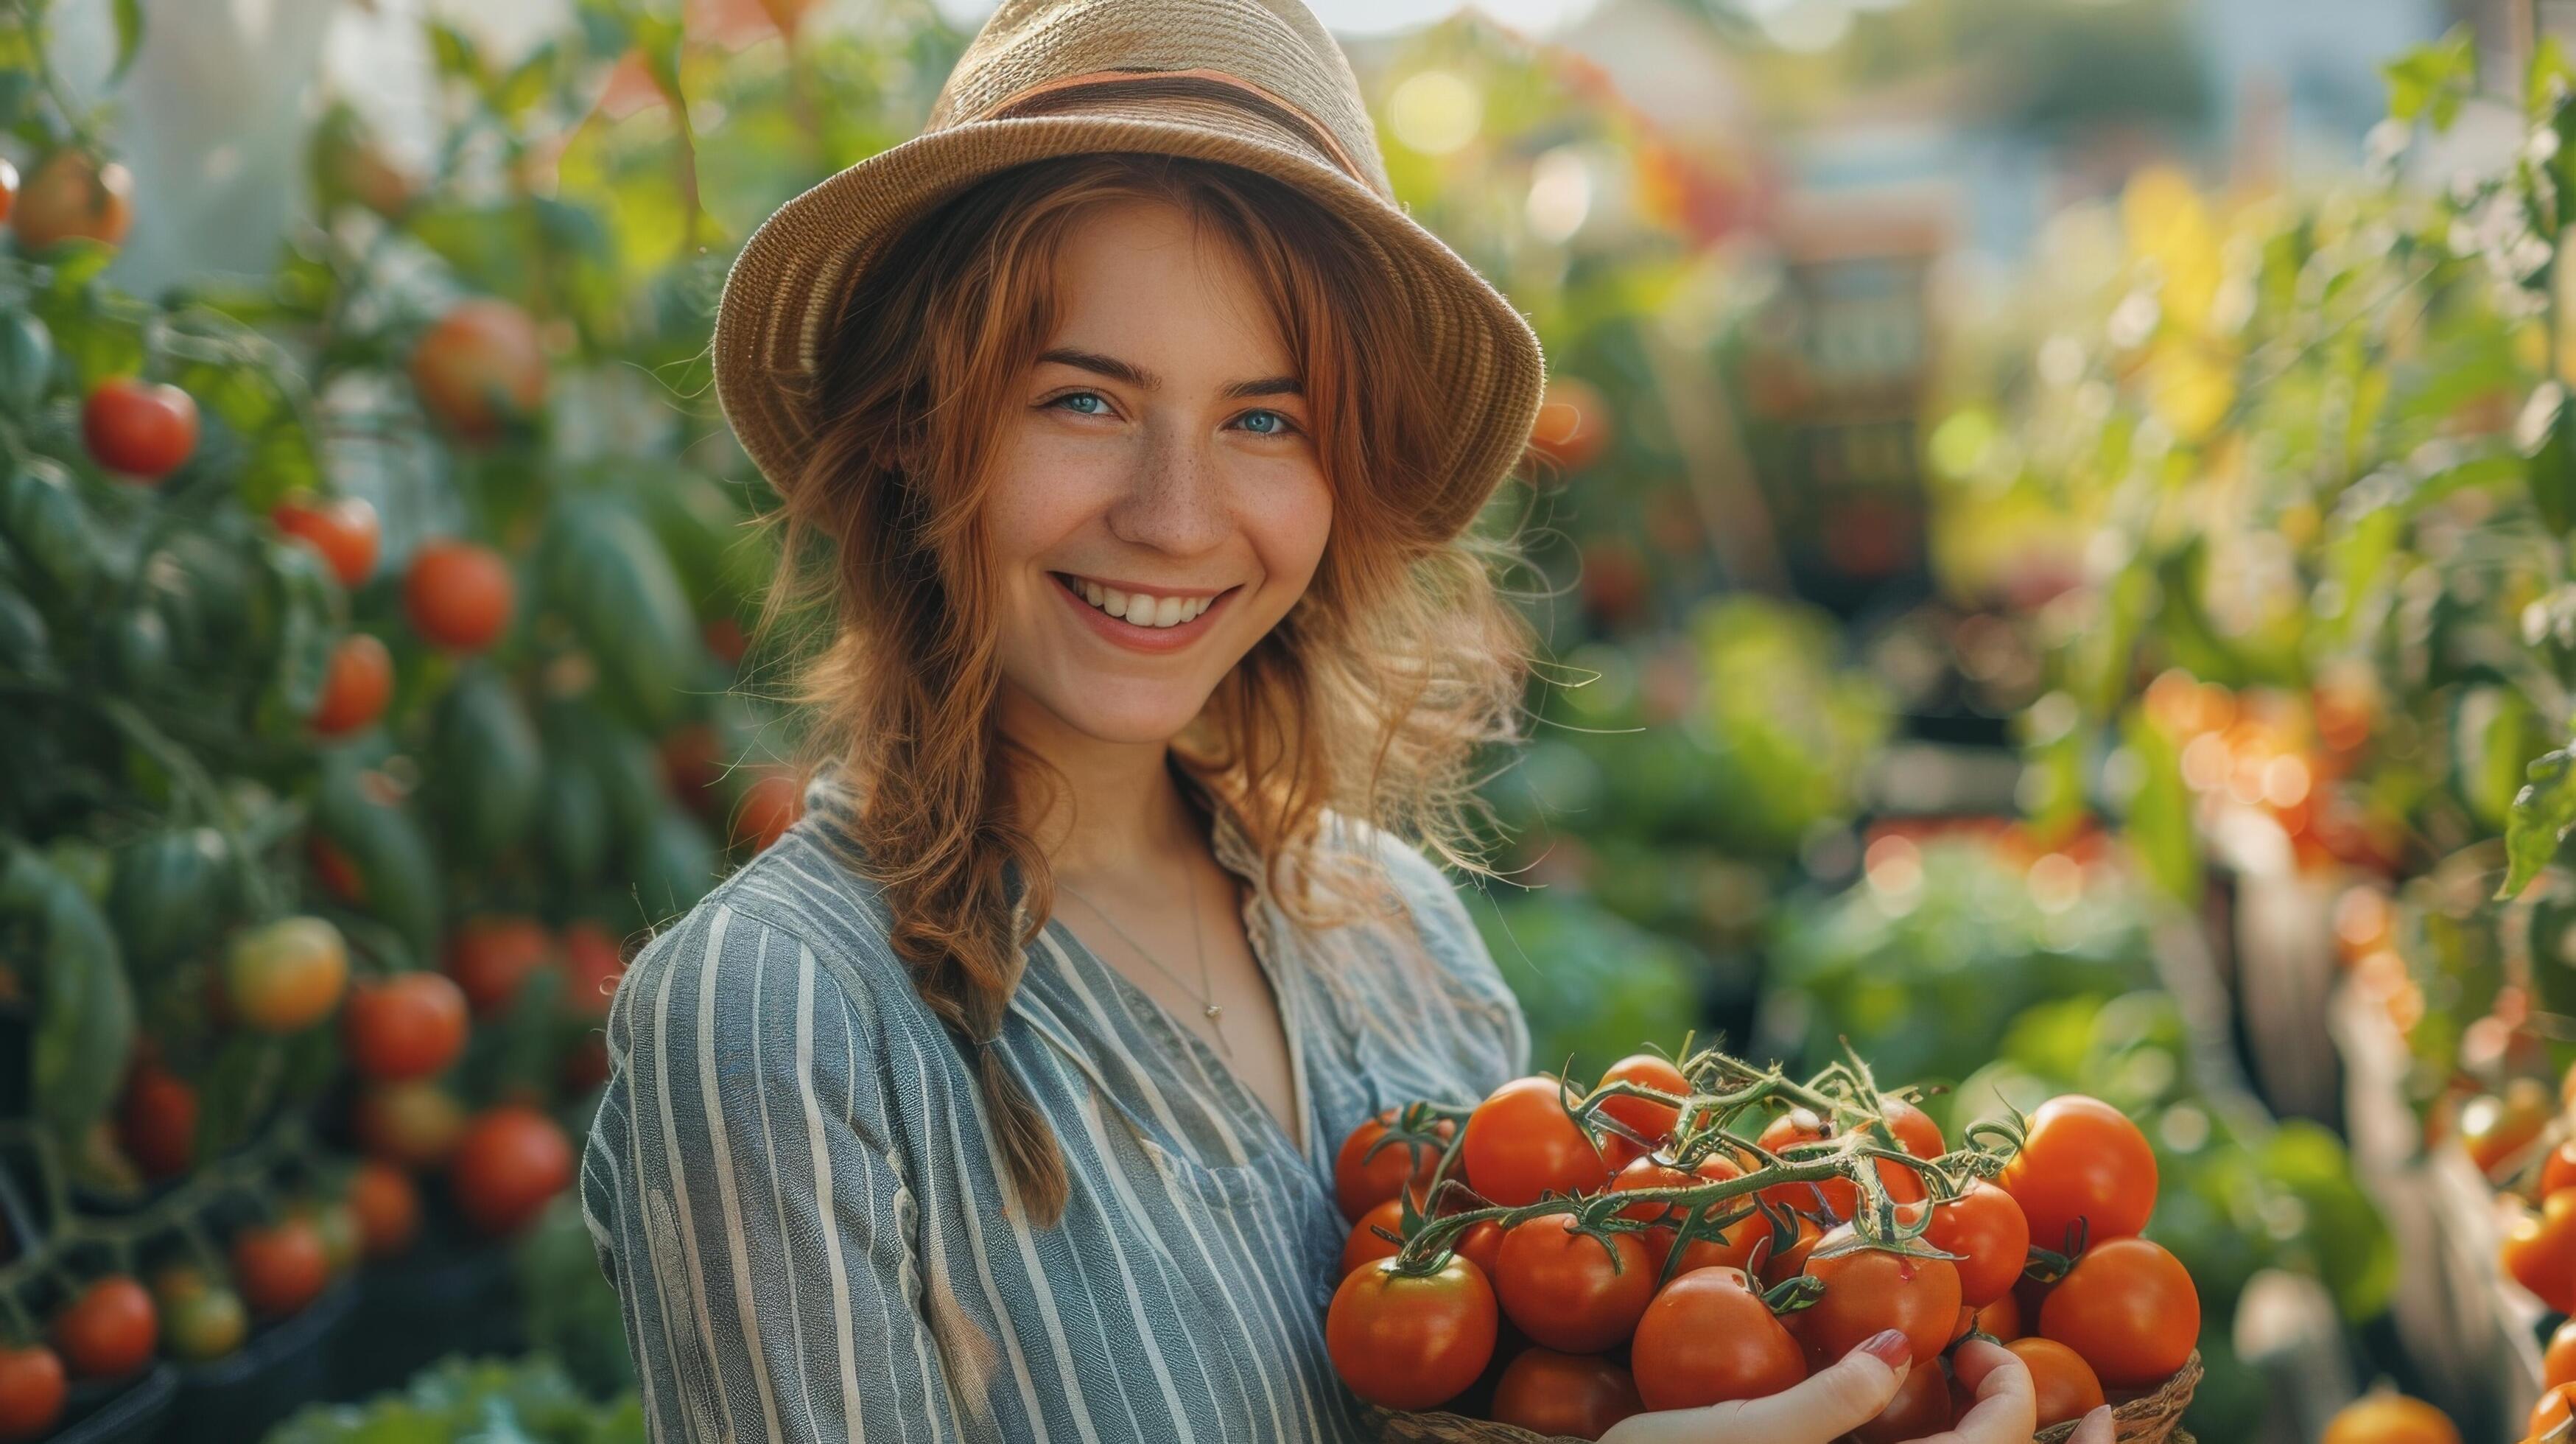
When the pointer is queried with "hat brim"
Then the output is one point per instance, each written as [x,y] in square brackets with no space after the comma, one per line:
[785,288]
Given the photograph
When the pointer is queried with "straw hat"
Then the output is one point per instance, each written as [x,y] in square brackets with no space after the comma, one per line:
[1252,83]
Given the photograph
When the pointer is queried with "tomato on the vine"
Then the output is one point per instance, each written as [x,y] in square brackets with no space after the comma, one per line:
[1364,1246]
[1552,1394]
[287,975]
[1784,1255]
[32,1390]
[387,1208]
[1362,1180]
[480,366]
[1580,1293]
[414,1124]
[1707,1337]
[411,1025]
[2083,1163]
[1837,1196]
[139,429]
[2063,1382]
[156,1122]
[2129,1308]
[458,594]
[72,195]
[1985,1228]
[357,686]
[200,1318]
[492,957]
[280,1267]
[1522,1143]
[343,529]
[1727,1248]
[2539,1252]
[109,1330]
[1870,1289]
[1482,1244]
[1411,1342]
[2495,1129]
[1645,1117]
[510,1164]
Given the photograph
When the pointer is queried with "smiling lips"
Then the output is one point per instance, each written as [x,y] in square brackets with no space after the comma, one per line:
[1142,620]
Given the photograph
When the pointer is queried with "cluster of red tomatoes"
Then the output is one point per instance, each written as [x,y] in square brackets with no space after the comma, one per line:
[1494,1268]
[2525,1138]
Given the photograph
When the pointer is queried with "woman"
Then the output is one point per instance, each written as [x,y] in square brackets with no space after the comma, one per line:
[998,1099]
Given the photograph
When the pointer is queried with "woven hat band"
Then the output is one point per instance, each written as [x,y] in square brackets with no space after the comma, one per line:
[1174,93]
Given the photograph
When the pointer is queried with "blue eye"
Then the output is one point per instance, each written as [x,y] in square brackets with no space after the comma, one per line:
[1266,423]
[1083,403]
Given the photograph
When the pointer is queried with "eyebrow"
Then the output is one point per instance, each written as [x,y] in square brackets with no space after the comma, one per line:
[1137,376]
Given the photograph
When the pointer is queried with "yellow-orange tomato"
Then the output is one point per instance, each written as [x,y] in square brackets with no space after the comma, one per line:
[287,975]
[2390,1419]
[72,195]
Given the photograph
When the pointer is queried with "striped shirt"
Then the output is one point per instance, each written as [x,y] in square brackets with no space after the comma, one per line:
[795,1187]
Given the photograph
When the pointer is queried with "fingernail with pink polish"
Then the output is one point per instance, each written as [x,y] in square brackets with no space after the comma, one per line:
[1891,1346]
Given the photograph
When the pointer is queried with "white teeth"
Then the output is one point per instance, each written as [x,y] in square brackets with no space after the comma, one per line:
[1140,609]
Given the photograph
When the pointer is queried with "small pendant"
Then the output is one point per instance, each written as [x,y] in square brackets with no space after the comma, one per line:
[1215,1013]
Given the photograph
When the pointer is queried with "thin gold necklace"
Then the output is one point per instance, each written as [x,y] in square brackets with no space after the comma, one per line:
[1205,995]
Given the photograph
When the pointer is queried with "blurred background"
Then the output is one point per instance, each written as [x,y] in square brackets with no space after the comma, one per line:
[2049,525]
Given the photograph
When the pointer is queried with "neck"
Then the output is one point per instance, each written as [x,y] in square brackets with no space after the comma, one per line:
[1116,814]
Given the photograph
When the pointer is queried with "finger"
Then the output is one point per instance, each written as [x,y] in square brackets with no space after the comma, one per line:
[2007,1407]
[1833,1401]
[2097,1428]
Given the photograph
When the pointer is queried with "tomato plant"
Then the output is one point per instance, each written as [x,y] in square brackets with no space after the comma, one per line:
[1837,1196]
[1552,1394]
[1726,1248]
[279,1267]
[139,429]
[2129,1308]
[343,529]
[1522,1142]
[458,594]
[356,689]
[1577,1292]
[2062,1381]
[108,1330]
[510,1163]
[2084,1172]
[408,1026]
[1411,1342]
[1706,1338]
[287,975]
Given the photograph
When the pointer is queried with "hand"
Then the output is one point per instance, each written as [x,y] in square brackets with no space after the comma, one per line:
[1837,1400]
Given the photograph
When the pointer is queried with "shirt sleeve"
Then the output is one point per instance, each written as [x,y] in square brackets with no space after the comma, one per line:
[741,1197]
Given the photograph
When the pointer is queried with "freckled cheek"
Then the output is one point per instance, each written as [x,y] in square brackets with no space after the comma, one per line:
[1287,519]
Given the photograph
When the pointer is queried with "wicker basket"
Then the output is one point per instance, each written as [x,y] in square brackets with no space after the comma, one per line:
[2148,1419]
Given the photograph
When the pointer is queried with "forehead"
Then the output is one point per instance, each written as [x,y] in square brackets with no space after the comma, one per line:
[1147,282]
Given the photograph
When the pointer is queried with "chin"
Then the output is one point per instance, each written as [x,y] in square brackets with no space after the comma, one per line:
[1151,716]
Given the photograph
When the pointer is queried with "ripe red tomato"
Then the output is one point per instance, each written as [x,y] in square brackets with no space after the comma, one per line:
[1726,1249]
[201,1319]
[31,1392]
[1837,1196]
[592,964]
[343,529]
[2002,1318]
[2539,1252]
[458,594]
[2558,1361]
[1915,1131]
[2129,1308]
[1362,1180]
[510,1164]
[2062,1380]
[286,976]
[1920,1410]
[139,429]
[1573,1292]
[1706,1338]
[279,1268]
[1649,1119]
[70,195]
[387,1207]
[2495,1129]
[1482,1244]
[416,1124]
[1364,1246]
[1870,1289]
[1411,1343]
[2084,1162]
[409,1026]
[1787,1260]
[491,957]
[1554,1395]
[356,689]
[156,1122]
[480,367]
[768,807]
[1985,1228]
[109,1329]
[1522,1143]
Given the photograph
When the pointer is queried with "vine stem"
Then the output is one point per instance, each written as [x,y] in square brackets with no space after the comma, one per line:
[242,1174]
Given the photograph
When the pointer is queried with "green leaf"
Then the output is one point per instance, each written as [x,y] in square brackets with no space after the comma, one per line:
[84,1006]
[129,35]
[2430,81]
[2159,811]
[2542,814]
[2544,430]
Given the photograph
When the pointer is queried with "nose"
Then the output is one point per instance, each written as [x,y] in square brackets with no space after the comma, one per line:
[1175,498]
